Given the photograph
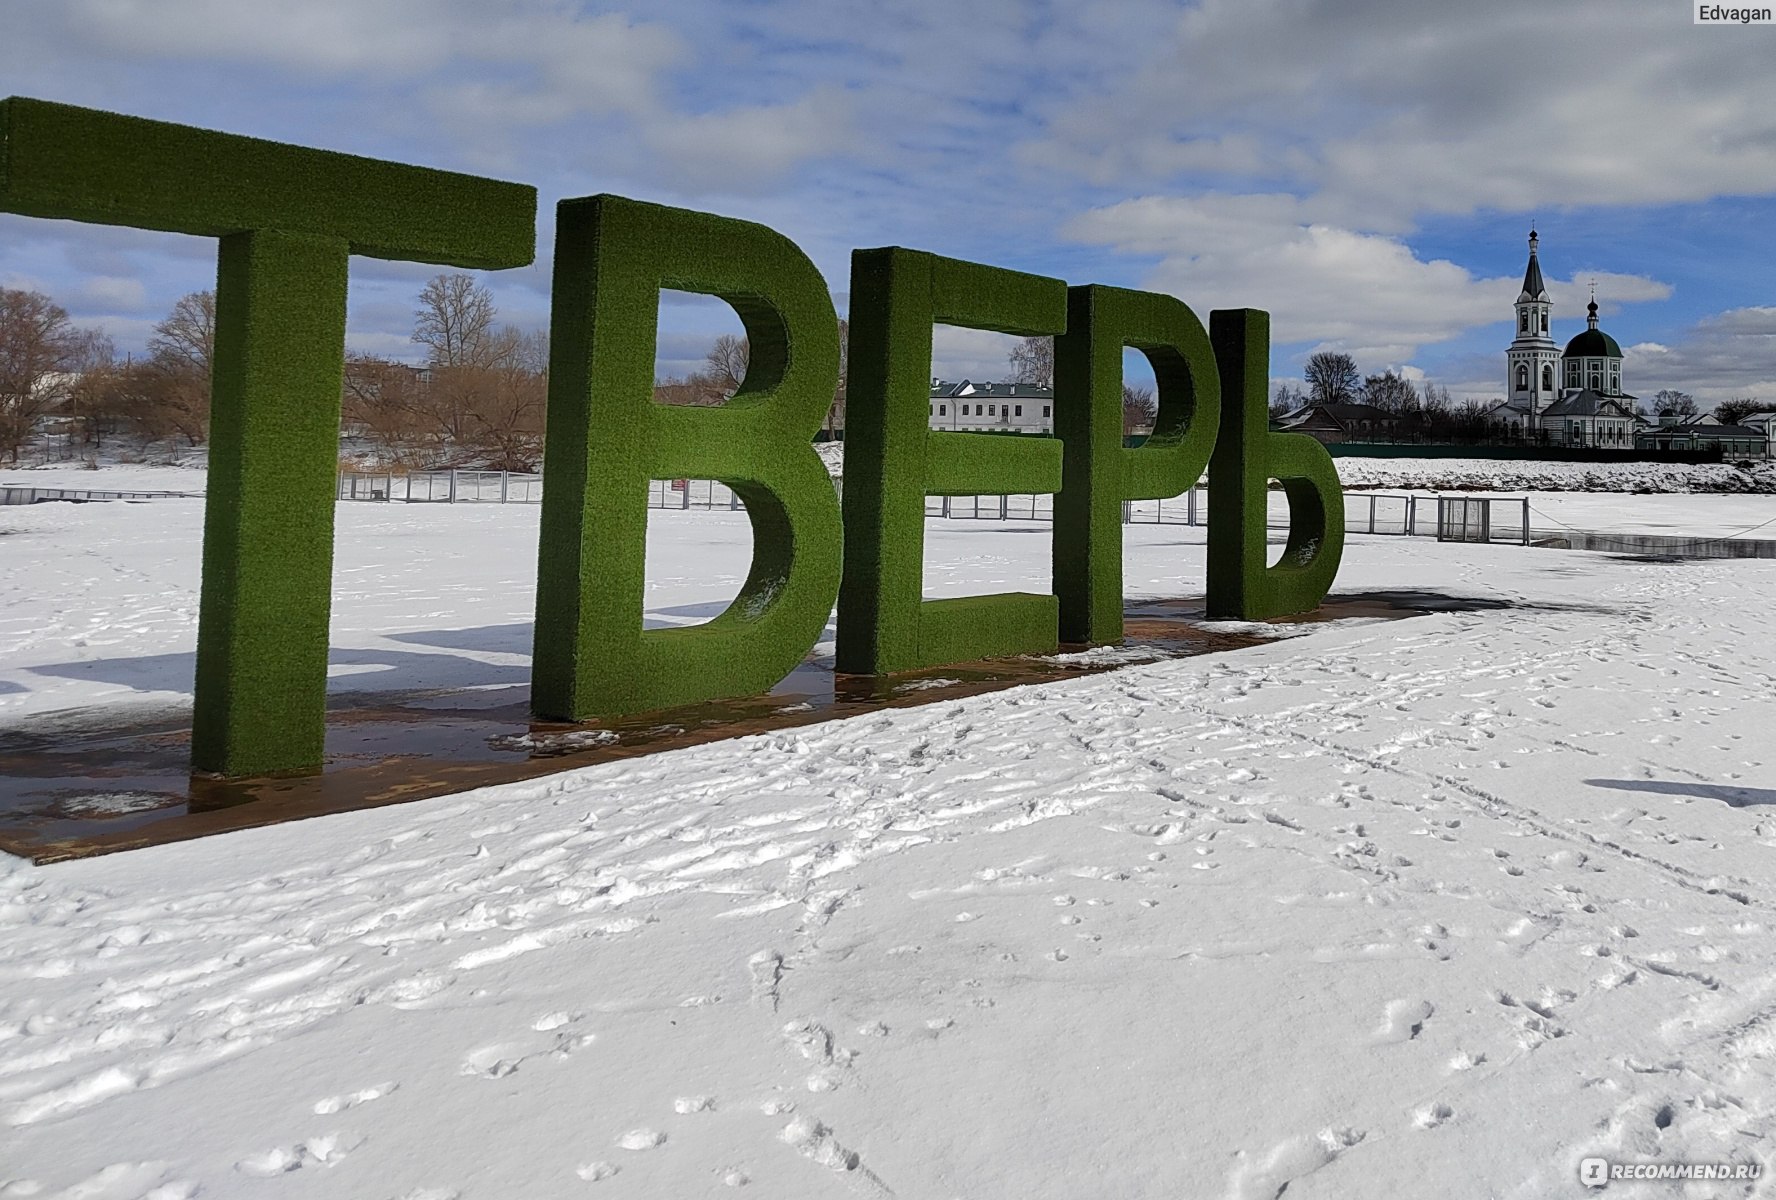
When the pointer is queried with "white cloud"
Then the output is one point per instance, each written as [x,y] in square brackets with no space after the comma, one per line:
[111,294]
[315,35]
[740,149]
[384,344]
[1364,293]
[1723,356]
[1380,111]
[492,78]
[547,65]
[980,355]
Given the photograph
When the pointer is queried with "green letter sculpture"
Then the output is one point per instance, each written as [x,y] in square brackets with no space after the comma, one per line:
[607,439]
[288,217]
[893,461]
[1247,456]
[1098,473]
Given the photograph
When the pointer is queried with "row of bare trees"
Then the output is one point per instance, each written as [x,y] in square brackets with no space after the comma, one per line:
[1423,411]
[54,371]
[724,368]
[479,399]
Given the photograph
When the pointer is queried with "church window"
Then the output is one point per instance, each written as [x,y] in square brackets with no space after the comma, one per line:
[1522,378]
[1547,377]
[1523,322]
[1544,322]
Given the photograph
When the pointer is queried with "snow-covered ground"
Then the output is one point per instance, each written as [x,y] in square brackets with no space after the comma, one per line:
[1425,908]
[1670,514]
[112,477]
[1396,474]
[1479,474]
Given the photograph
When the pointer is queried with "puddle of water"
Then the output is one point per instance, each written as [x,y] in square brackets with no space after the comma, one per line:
[122,788]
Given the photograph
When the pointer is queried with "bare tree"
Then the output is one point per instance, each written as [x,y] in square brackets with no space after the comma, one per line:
[504,409]
[1435,403]
[692,389]
[1471,419]
[170,392]
[1671,403]
[98,398]
[1394,393]
[387,399]
[531,352]
[454,321]
[1033,361]
[1332,377]
[1731,412]
[725,366]
[1139,407]
[187,337]
[39,352]
[1287,400]
[835,412]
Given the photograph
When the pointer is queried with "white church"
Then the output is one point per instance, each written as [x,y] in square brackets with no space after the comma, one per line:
[1573,398]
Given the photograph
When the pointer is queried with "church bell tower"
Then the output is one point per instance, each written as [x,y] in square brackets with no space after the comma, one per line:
[1532,372]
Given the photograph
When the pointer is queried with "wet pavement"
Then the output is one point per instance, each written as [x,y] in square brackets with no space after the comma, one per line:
[94,791]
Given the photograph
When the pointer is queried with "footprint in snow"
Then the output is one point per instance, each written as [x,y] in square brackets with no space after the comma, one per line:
[1270,1177]
[492,1062]
[1404,1020]
[1432,1115]
[325,1150]
[334,1104]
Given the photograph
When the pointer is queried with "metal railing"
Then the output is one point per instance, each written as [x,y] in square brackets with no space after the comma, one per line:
[441,487]
[694,493]
[38,495]
[1506,519]
[1463,518]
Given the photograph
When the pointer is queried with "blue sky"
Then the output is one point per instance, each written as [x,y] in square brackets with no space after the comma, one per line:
[1367,170]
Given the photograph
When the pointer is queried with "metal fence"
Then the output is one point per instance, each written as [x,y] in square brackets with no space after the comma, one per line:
[38,495]
[694,493]
[1467,518]
[442,487]
[1503,518]
[1447,518]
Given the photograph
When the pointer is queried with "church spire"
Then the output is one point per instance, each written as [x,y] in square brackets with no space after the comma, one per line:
[1591,308]
[1533,288]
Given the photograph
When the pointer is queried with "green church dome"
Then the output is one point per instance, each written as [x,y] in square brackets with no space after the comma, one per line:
[1593,343]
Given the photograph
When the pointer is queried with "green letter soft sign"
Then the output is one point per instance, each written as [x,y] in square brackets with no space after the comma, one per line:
[893,461]
[607,439]
[1098,473]
[1247,457]
[288,217]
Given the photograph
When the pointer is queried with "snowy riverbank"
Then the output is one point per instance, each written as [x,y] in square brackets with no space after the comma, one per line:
[1395,474]
[1436,907]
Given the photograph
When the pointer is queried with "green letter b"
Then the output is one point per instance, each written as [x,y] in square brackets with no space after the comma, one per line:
[608,439]
[1247,456]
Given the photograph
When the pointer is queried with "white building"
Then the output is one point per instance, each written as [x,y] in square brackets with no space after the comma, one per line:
[1570,398]
[992,407]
